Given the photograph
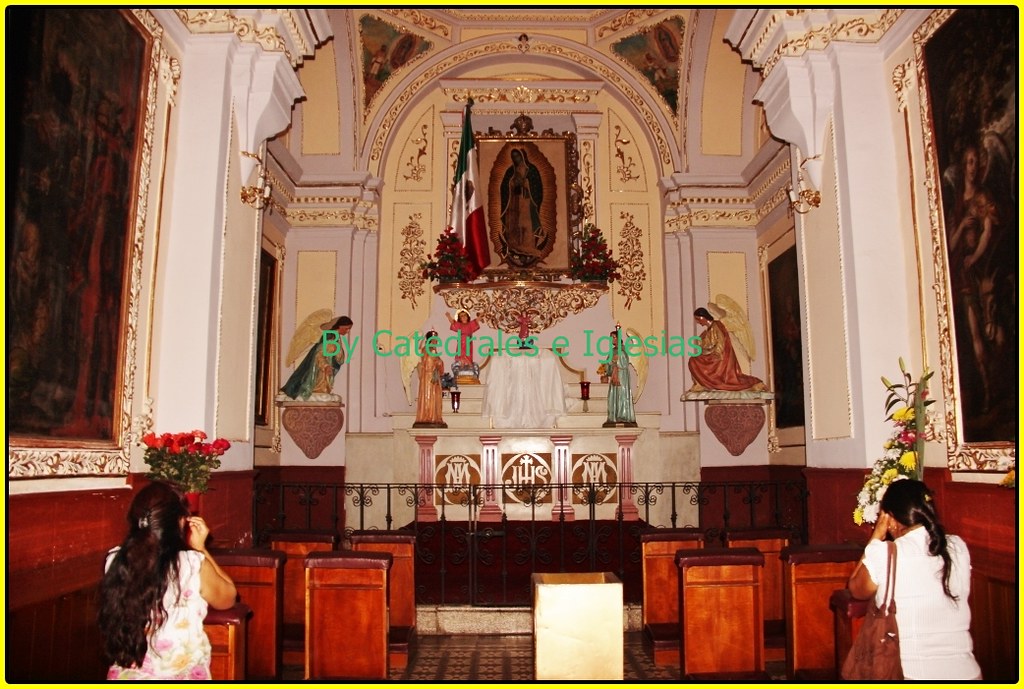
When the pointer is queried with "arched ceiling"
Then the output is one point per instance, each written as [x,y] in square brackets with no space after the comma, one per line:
[671,66]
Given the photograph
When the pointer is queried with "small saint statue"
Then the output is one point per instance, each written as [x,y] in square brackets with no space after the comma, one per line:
[465,370]
[524,330]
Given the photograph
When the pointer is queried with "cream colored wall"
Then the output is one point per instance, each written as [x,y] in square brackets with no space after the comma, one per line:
[321,134]
[827,331]
[722,104]
[236,352]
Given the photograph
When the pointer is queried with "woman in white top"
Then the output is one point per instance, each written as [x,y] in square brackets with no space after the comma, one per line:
[933,582]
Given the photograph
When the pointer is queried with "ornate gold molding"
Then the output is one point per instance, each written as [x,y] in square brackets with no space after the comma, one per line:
[410,275]
[421,20]
[625,21]
[587,162]
[631,260]
[901,83]
[246,30]
[500,305]
[625,166]
[521,94]
[415,163]
[858,30]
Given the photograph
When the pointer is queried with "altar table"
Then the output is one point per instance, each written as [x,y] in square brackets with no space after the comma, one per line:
[524,391]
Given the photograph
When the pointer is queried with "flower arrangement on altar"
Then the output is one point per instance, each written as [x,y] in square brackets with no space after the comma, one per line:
[593,262]
[450,262]
[184,459]
[904,450]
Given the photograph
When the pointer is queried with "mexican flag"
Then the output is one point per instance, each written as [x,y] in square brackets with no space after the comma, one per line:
[467,209]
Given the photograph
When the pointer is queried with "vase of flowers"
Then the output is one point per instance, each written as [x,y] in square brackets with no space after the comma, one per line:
[184,459]
[904,450]
[450,262]
[593,262]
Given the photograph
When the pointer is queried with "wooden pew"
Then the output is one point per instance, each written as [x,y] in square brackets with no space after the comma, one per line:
[721,616]
[401,587]
[296,545]
[770,542]
[847,615]
[660,603]
[347,615]
[810,575]
[226,631]
[259,578]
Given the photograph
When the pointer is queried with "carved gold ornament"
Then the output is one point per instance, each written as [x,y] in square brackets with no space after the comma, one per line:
[631,260]
[500,305]
[410,275]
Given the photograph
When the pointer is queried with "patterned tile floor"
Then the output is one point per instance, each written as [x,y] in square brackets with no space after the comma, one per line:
[493,658]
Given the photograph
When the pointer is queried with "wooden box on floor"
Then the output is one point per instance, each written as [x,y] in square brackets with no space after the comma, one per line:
[721,618]
[296,545]
[347,615]
[660,604]
[401,587]
[810,575]
[226,631]
[770,542]
[259,578]
[577,626]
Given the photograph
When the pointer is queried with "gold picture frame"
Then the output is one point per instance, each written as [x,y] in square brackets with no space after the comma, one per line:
[115,56]
[950,133]
[532,201]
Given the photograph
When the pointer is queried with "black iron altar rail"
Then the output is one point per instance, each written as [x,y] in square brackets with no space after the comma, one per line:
[461,559]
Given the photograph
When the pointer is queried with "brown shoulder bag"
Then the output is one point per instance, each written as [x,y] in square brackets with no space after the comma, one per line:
[875,654]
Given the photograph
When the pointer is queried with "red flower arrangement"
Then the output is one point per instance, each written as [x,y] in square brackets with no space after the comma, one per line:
[450,263]
[594,262]
[183,458]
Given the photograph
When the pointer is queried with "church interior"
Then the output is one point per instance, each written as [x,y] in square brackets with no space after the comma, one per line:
[682,266]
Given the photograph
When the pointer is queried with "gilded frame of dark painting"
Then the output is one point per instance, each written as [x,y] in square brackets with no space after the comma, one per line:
[94,440]
[544,165]
[975,441]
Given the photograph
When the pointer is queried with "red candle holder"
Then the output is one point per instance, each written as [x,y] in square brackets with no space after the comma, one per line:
[456,400]
[584,390]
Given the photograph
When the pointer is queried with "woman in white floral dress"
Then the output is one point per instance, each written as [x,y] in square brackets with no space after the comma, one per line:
[156,590]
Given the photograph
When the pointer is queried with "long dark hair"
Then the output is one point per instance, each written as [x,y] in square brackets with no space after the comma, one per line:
[911,503]
[132,590]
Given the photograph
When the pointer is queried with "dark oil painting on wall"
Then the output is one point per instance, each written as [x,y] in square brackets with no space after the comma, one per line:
[75,106]
[787,358]
[971,64]
[654,52]
[385,50]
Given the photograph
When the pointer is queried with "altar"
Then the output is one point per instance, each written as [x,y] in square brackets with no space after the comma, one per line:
[524,389]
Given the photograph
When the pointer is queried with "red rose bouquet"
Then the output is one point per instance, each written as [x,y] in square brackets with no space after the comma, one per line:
[185,459]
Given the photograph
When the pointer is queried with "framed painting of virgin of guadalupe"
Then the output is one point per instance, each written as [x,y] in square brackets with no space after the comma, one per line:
[77,125]
[967,61]
[531,206]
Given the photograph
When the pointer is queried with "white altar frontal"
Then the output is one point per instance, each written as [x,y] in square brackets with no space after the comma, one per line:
[520,434]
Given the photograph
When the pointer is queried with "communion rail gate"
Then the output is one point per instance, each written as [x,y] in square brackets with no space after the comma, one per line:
[462,559]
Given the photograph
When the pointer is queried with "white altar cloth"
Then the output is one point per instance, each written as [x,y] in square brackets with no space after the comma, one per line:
[523,391]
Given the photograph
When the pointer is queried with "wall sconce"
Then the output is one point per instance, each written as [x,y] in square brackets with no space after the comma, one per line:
[585,394]
[257,195]
[456,400]
[804,200]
